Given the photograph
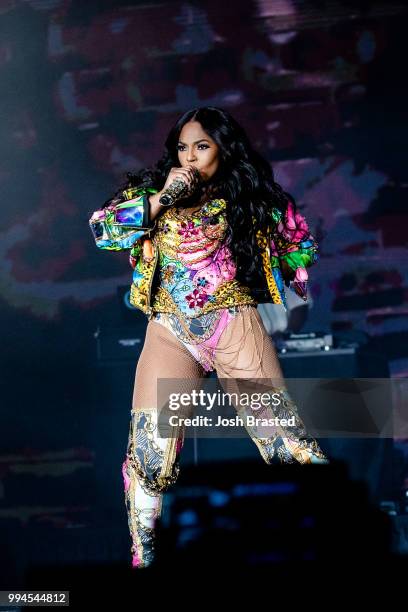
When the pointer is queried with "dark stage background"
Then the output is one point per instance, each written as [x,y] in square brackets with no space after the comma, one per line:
[89,91]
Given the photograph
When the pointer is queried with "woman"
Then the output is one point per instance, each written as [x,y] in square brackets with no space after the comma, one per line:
[201,266]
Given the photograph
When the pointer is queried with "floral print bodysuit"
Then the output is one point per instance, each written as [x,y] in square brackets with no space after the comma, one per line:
[197,293]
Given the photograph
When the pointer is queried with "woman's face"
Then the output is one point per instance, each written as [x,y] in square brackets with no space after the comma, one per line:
[196,148]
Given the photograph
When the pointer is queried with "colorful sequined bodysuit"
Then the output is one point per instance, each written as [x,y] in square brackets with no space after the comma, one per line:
[197,293]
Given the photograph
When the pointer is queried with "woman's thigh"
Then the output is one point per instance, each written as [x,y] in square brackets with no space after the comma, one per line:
[162,356]
[245,359]
[245,350]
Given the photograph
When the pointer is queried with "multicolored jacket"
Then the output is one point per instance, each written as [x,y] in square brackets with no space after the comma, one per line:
[286,253]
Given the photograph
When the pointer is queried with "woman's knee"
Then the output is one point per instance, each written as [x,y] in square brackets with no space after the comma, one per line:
[154,461]
[152,486]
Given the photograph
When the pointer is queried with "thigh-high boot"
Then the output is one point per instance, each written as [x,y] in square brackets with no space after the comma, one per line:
[150,468]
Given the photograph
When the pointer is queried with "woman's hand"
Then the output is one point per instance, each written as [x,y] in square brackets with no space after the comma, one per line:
[190,175]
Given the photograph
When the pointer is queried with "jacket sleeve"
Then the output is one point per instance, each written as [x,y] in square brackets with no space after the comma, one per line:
[294,248]
[122,224]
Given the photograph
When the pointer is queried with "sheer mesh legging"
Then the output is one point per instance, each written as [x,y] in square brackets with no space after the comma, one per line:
[163,356]
[247,363]
[245,360]
[245,350]
[245,356]
[151,464]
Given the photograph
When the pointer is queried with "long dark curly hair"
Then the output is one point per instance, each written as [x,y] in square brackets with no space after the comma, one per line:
[243,178]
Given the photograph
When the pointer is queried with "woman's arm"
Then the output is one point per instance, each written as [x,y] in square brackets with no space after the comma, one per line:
[295,247]
[122,224]
[155,207]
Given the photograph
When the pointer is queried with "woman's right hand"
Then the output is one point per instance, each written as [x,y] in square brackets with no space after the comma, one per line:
[190,175]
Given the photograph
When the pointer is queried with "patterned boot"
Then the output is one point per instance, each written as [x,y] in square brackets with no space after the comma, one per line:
[291,444]
[150,467]
[143,511]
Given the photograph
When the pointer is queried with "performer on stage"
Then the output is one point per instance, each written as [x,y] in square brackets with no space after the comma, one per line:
[202,260]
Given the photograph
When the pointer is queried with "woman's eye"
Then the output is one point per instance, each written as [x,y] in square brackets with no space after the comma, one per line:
[181,147]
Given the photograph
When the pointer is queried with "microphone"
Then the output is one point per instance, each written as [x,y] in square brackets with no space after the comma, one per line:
[175,190]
